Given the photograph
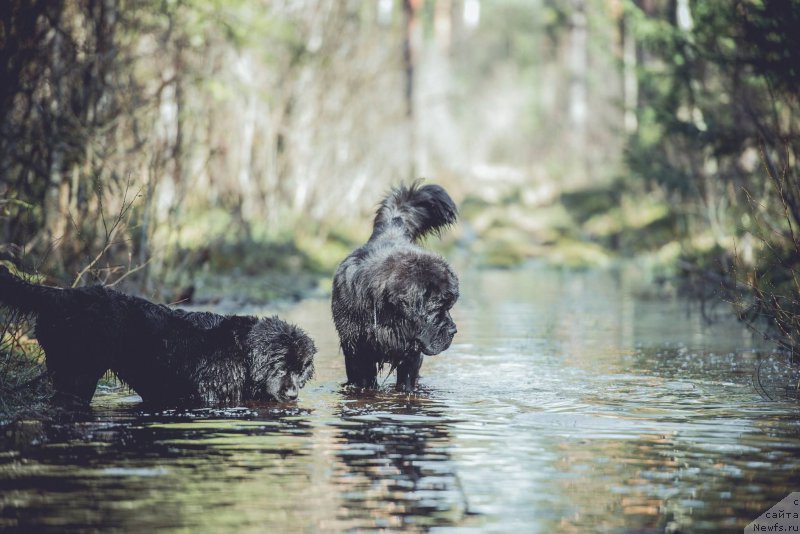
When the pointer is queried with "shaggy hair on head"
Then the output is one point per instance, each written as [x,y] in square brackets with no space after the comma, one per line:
[170,357]
[392,298]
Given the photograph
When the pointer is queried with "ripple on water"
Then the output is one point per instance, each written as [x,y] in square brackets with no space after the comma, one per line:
[566,402]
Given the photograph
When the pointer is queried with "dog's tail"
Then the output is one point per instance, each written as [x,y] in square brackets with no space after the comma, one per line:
[418,210]
[24,296]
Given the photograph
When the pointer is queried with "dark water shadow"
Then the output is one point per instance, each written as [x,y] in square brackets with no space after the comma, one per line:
[118,466]
[393,462]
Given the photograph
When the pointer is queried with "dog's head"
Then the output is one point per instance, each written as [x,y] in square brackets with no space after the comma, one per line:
[419,293]
[282,360]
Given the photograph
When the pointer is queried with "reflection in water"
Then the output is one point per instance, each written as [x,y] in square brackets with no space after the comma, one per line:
[119,469]
[393,466]
[568,402]
[609,413]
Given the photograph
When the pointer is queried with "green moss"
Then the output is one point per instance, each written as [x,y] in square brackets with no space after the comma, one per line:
[322,256]
[587,203]
[668,254]
[606,224]
[254,258]
[502,255]
[473,206]
[201,227]
[578,255]
[535,224]
[651,236]
[505,247]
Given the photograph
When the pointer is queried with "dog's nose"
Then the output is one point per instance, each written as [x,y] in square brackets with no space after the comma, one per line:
[290,393]
[452,330]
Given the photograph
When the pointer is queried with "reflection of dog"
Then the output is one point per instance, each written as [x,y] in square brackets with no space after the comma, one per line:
[168,356]
[391,298]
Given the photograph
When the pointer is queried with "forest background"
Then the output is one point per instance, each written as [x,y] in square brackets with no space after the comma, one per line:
[160,145]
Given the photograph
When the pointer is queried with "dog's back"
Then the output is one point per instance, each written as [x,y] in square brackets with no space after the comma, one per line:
[87,331]
[91,315]
[23,296]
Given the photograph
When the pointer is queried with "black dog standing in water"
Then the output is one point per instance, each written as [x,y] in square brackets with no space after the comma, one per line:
[391,298]
[170,357]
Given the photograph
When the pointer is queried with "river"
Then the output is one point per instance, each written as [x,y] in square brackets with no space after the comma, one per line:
[569,401]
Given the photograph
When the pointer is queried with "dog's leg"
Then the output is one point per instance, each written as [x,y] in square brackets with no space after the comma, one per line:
[362,371]
[73,370]
[75,387]
[408,372]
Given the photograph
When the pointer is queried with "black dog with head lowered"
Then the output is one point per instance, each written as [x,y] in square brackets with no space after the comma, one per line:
[170,357]
[391,298]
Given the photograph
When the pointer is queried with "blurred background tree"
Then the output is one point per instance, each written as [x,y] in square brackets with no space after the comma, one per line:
[718,133]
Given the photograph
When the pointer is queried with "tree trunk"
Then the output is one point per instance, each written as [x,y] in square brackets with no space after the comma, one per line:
[53,226]
[630,83]
[578,67]
[410,10]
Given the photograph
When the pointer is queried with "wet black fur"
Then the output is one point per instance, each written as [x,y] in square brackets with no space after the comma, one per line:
[170,357]
[391,298]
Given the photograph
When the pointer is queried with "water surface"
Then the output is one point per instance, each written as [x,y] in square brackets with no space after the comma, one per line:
[569,401]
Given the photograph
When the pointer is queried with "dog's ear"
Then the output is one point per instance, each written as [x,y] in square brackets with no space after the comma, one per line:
[307,349]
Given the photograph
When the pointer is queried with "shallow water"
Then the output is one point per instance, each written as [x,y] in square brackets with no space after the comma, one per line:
[568,401]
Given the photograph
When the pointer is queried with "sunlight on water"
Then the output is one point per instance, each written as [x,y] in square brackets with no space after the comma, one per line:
[568,401]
